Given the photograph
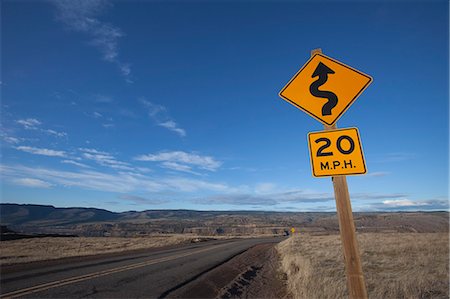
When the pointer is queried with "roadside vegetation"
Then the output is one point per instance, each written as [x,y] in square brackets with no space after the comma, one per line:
[37,249]
[395,265]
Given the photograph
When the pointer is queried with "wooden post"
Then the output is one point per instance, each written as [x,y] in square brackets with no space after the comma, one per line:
[355,278]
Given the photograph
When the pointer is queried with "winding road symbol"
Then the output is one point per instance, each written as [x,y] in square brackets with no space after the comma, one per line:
[322,71]
[325,88]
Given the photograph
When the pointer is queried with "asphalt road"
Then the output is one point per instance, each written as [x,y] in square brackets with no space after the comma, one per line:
[152,274]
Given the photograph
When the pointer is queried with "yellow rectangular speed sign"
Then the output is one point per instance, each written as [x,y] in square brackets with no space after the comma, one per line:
[336,152]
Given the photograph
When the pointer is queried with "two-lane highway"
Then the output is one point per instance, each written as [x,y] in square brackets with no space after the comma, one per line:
[152,274]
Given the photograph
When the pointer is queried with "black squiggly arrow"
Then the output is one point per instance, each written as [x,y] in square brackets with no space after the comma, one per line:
[322,71]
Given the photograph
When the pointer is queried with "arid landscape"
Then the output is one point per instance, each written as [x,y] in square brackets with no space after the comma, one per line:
[90,222]
[404,255]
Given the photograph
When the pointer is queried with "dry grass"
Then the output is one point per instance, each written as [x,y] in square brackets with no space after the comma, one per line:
[36,249]
[395,265]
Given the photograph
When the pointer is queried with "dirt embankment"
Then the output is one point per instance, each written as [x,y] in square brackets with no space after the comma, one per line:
[252,274]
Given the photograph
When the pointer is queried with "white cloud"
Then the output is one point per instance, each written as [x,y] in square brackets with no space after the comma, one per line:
[34,183]
[191,185]
[11,140]
[82,16]
[104,159]
[171,125]
[92,180]
[41,151]
[29,123]
[371,196]
[403,203]
[97,114]
[267,199]
[34,124]
[122,182]
[177,167]
[142,200]
[236,199]
[125,69]
[159,115]
[153,109]
[92,151]
[55,133]
[180,157]
[75,163]
[143,169]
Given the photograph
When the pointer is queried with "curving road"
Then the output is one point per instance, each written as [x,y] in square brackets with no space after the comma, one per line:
[145,274]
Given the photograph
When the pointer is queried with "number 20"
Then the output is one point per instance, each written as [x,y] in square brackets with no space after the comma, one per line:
[321,153]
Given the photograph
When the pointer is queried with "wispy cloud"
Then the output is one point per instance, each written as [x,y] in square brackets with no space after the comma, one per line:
[263,195]
[372,196]
[29,123]
[236,199]
[403,203]
[159,115]
[106,122]
[92,180]
[178,167]
[11,139]
[108,126]
[142,200]
[41,151]
[33,183]
[83,16]
[173,126]
[411,205]
[121,182]
[34,124]
[270,199]
[104,159]
[154,110]
[55,133]
[75,163]
[97,114]
[182,160]
[192,185]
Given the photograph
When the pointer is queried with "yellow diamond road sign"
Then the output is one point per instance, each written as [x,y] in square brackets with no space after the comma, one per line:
[336,152]
[325,88]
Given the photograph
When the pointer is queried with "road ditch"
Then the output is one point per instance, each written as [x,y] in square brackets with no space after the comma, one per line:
[251,274]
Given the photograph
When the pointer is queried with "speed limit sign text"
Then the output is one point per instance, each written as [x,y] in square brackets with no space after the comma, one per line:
[336,152]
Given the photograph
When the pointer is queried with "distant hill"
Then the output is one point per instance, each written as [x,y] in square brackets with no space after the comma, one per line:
[45,219]
[27,214]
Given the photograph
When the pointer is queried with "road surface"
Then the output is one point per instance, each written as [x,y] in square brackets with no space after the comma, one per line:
[152,274]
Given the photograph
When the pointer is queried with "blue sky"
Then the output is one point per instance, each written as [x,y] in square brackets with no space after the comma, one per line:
[137,105]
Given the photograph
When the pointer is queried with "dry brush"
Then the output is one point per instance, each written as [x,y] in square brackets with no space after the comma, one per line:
[395,265]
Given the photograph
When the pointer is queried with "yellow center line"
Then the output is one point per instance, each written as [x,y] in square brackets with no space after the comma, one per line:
[70,280]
